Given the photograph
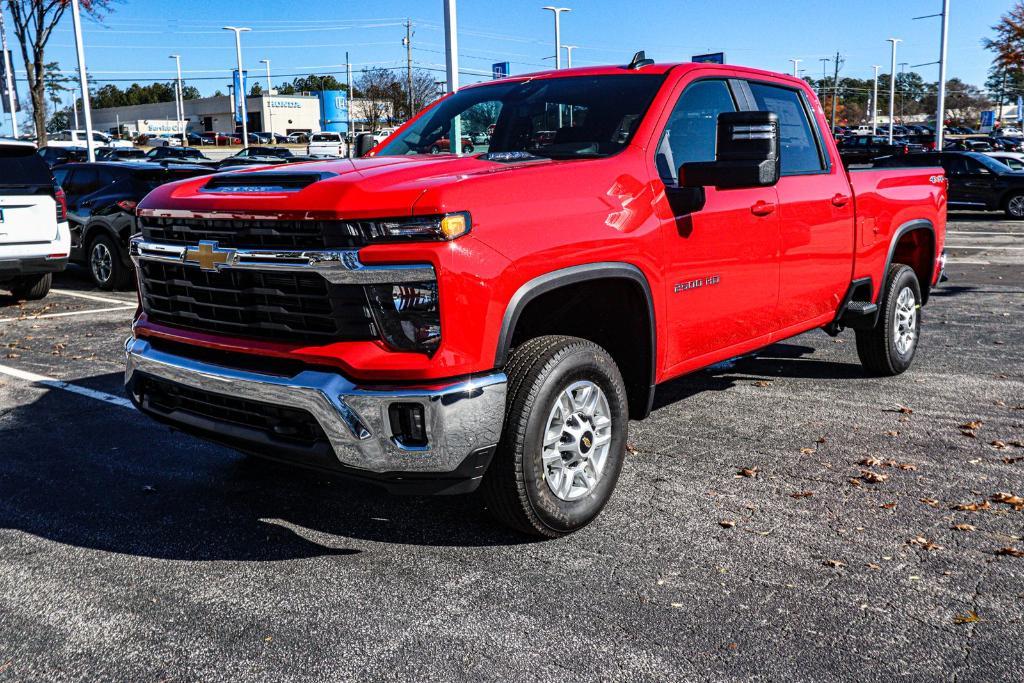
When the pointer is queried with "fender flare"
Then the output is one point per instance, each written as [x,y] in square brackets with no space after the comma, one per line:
[570,276]
[104,225]
[909,226]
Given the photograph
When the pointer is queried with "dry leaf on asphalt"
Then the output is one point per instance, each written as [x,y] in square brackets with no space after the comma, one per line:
[1009,499]
[1012,552]
[969,618]
[975,424]
[905,410]
[802,494]
[965,527]
[873,477]
[631,449]
[835,564]
[748,472]
[998,444]
[870,462]
[930,501]
[762,383]
[973,507]
[924,543]
[889,506]
[727,523]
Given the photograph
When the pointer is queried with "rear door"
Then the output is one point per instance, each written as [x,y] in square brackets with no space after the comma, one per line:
[815,211]
[970,183]
[28,211]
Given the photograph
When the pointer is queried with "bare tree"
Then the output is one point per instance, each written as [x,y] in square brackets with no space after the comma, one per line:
[376,86]
[34,21]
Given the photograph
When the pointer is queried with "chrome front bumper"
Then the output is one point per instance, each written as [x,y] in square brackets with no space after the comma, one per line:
[462,418]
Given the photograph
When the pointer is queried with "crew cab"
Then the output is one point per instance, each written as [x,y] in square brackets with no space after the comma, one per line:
[34,238]
[446,322]
[326,144]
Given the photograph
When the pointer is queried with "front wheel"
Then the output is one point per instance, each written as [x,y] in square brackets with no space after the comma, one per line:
[889,347]
[105,265]
[1015,206]
[564,437]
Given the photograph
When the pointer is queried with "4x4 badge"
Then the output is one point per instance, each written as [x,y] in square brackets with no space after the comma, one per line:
[209,256]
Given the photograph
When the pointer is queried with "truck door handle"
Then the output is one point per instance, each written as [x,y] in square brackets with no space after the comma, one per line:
[840,199]
[762,208]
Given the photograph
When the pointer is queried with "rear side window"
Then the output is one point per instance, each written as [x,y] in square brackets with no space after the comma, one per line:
[691,131]
[20,165]
[800,153]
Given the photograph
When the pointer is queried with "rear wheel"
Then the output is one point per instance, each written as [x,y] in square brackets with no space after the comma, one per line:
[32,287]
[467,149]
[889,347]
[564,437]
[105,264]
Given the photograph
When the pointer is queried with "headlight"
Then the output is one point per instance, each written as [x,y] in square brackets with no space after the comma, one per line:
[409,229]
[407,315]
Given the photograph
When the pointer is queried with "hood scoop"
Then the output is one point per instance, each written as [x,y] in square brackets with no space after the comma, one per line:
[264,182]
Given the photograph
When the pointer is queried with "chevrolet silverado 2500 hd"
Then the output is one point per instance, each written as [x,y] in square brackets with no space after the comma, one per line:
[443,322]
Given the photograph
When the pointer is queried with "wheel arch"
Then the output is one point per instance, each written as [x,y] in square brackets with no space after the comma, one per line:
[913,243]
[592,276]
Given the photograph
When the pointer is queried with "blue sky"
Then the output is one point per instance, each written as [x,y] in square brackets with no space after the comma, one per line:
[301,37]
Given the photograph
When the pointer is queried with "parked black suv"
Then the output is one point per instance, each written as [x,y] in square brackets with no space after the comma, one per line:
[976,181]
[187,154]
[863,149]
[101,201]
[62,155]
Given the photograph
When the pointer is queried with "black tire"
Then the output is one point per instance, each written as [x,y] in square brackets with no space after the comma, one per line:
[116,274]
[877,347]
[515,488]
[32,287]
[466,149]
[1014,206]
[434,149]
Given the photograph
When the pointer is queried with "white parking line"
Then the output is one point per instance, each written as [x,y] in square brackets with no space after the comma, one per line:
[67,313]
[52,383]
[975,246]
[91,297]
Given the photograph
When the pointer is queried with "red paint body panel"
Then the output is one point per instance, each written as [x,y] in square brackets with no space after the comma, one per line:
[780,273]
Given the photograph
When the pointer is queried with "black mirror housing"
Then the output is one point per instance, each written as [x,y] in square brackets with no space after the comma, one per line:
[747,153]
[364,143]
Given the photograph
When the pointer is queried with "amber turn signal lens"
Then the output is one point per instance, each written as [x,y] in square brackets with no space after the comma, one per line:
[454,225]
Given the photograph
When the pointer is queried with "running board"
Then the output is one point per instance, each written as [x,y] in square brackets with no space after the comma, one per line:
[859,315]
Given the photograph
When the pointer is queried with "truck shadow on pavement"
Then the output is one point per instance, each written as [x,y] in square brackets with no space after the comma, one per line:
[777,360]
[79,472]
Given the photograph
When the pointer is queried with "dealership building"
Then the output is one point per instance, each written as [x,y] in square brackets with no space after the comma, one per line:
[282,114]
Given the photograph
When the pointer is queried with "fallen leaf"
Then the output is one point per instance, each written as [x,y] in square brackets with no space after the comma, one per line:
[727,523]
[924,543]
[998,444]
[1010,461]
[677,605]
[748,472]
[969,433]
[969,618]
[1007,499]
[975,424]
[930,501]
[905,410]
[909,467]
[870,462]
[872,565]
[1012,552]
[889,506]
[631,449]
[806,451]
[892,432]
[973,507]
[855,482]
[965,527]
[873,477]
[802,494]
[835,564]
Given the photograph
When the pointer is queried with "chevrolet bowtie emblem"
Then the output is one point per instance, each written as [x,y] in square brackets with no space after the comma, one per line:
[208,255]
[587,442]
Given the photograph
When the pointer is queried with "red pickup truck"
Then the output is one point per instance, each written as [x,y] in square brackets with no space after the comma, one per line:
[446,322]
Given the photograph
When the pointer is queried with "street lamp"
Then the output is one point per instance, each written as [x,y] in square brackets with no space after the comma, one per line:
[874,101]
[179,102]
[892,86]
[557,11]
[76,18]
[240,90]
[568,55]
[270,112]
[796,67]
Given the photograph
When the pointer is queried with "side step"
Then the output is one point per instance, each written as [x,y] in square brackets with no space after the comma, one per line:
[859,315]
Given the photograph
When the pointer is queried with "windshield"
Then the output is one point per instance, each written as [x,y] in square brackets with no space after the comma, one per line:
[575,117]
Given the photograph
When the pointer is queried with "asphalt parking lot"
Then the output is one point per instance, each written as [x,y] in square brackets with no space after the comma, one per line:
[781,517]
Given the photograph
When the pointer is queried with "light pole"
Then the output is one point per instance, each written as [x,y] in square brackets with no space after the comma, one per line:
[240,90]
[76,17]
[940,108]
[270,111]
[179,101]
[892,87]
[874,101]
[568,55]
[451,48]
[10,79]
[796,67]
[557,11]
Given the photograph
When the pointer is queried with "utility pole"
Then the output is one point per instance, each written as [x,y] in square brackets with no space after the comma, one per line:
[874,100]
[10,79]
[796,67]
[407,42]
[241,82]
[451,48]
[179,101]
[76,18]
[348,104]
[940,109]
[835,90]
[824,66]
[270,110]
[892,94]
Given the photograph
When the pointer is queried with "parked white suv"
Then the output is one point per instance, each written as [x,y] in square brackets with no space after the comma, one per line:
[34,237]
[77,138]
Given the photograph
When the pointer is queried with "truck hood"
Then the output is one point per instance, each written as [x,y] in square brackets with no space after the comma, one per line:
[346,188]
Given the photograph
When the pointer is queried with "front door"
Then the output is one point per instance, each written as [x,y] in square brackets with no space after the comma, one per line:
[970,183]
[721,262]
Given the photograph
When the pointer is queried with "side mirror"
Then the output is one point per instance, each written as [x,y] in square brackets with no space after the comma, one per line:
[747,153]
[364,143]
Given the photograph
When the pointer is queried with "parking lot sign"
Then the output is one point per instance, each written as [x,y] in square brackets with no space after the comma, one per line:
[499,70]
[240,92]
[988,121]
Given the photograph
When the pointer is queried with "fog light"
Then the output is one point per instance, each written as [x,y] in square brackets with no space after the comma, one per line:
[408,425]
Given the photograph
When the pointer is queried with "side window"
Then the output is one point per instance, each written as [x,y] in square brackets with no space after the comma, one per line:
[85,181]
[954,165]
[691,131]
[800,153]
[975,167]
